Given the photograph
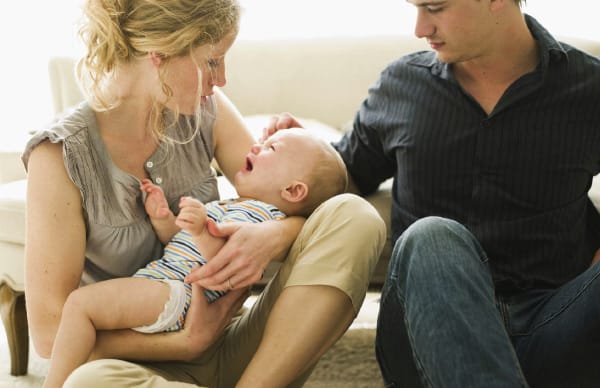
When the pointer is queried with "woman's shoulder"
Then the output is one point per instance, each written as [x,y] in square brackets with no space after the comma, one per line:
[70,129]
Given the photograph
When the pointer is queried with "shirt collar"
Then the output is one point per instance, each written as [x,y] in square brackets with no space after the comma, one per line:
[550,48]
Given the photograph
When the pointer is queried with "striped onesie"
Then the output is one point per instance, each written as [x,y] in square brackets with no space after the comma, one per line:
[181,255]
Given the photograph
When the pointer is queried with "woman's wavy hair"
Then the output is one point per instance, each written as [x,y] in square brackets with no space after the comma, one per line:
[116,32]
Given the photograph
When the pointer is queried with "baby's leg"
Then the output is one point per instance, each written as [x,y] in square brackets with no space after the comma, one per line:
[113,304]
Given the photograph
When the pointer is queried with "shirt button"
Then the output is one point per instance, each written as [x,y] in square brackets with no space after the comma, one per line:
[149,164]
[158,180]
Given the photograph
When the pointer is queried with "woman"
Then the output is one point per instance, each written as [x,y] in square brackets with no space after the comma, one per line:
[152,113]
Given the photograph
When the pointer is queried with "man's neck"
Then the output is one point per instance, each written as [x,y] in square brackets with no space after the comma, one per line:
[512,55]
[509,57]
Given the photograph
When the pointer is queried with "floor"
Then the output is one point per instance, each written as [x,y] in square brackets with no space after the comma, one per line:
[366,318]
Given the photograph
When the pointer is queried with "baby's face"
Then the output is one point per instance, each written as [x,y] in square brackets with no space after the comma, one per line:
[272,166]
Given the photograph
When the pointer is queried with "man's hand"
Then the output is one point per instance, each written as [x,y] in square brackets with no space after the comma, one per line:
[284,120]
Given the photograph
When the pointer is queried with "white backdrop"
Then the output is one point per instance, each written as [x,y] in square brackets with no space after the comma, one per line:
[33,31]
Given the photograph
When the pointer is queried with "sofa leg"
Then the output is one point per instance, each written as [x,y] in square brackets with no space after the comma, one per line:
[14,318]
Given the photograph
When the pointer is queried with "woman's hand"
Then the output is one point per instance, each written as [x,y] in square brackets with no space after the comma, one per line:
[249,249]
[205,321]
[284,120]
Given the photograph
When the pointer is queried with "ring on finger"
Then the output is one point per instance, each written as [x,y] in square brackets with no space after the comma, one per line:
[229,284]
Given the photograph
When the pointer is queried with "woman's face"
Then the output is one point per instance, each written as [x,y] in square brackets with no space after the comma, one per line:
[192,77]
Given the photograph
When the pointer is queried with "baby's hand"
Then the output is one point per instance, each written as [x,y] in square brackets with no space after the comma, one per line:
[192,216]
[156,203]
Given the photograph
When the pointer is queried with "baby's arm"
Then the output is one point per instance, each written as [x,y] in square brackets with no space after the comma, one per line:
[192,218]
[157,208]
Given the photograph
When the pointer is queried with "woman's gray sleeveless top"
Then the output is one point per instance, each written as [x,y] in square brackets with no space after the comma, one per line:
[120,238]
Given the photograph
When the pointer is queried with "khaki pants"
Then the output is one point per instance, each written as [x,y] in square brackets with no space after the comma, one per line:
[338,246]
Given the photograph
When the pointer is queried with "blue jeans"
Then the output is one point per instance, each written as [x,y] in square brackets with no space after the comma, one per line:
[440,323]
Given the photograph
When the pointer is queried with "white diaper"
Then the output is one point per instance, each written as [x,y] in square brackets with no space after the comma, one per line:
[174,308]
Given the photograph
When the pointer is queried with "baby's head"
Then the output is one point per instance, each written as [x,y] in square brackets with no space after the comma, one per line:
[292,170]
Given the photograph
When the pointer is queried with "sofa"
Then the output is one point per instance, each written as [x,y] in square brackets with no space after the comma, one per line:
[321,81]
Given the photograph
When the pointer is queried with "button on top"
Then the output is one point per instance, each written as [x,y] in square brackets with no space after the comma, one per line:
[149,164]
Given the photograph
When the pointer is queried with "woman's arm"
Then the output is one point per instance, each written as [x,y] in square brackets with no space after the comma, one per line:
[204,323]
[55,243]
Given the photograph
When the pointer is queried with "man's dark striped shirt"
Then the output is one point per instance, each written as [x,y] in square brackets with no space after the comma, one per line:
[517,178]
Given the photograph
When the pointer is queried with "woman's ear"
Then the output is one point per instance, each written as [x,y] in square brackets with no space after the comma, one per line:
[295,192]
[155,58]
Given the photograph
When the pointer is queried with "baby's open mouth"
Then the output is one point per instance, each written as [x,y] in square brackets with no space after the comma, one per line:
[248,164]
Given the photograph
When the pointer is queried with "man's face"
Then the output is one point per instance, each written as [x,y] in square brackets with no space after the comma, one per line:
[455,29]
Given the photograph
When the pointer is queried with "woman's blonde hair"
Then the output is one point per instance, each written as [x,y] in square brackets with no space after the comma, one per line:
[116,32]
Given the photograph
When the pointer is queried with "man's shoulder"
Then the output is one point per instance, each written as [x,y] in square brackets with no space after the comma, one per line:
[425,58]
[410,67]
[573,51]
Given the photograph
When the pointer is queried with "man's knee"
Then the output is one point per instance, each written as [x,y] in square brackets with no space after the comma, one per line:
[434,228]
[432,243]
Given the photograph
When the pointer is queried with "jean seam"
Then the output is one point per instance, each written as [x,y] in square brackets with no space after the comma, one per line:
[565,306]
[425,379]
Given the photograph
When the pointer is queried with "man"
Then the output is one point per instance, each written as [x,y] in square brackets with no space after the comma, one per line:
[492,140]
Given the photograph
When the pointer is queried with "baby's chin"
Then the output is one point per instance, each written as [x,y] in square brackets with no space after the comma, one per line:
[238,183]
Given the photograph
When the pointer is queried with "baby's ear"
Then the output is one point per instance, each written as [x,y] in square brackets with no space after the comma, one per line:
[295,192]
